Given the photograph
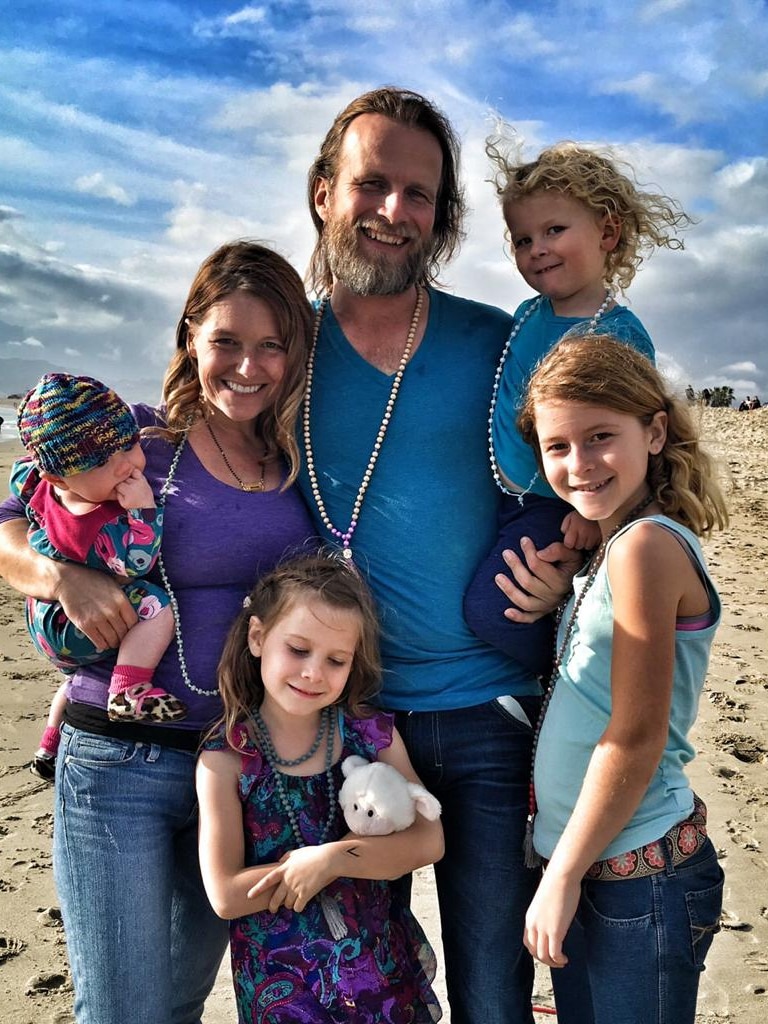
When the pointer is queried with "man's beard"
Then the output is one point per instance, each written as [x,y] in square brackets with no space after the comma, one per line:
[368,274]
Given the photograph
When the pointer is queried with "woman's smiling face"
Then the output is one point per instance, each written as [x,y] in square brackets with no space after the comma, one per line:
[239,355]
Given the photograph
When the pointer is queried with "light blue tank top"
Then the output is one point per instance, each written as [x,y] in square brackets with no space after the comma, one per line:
[580,708]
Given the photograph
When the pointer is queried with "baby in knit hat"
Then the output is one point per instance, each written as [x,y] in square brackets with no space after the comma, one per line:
[87,500]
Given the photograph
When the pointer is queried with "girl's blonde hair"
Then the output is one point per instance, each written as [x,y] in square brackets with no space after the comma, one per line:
[259,271]
[602,370]
[317,577]
[603,184]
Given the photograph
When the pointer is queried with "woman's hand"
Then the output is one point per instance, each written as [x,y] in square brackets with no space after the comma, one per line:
[94,603]
[300,875]
[538,585]
[92,600]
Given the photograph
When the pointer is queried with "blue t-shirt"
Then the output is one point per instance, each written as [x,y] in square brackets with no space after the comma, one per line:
[540,333]
[429,515]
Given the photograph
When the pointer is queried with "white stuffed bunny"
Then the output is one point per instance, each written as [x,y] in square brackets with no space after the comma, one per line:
[377,799]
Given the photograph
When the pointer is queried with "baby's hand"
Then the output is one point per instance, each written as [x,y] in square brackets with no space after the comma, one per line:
[580,533]
[135,492]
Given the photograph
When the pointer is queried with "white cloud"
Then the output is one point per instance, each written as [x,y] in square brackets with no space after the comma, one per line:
[757,82]
[243,24]
[29,342]
[215,143]
[97,185]
[660,9]
[746,367]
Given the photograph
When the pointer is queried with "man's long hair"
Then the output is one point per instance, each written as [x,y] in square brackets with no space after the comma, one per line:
[413,110]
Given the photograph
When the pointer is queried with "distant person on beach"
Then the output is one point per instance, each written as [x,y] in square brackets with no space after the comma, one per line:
[745,404]
[754,402]
[144,944]
[318,932]
[622,834]
[2,421]
[579,227]
[87,501]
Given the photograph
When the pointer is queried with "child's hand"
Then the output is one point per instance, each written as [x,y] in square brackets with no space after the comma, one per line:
[580,533]
[135,492]
[549,917]
[299,876]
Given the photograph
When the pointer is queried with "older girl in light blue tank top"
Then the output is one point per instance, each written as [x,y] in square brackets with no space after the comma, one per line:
[632,891]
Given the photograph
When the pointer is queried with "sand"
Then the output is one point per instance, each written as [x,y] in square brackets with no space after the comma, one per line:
[729,773]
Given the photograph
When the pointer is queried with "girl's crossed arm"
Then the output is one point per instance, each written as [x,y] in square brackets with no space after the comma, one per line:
[652,581]
[222,844]
[304,872]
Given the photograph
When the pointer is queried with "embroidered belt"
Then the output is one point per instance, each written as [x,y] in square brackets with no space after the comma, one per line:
[682,841]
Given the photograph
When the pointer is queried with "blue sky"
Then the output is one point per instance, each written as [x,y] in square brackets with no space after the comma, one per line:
[135,137]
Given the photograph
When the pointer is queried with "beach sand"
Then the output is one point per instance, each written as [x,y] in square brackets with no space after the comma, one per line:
[729,773]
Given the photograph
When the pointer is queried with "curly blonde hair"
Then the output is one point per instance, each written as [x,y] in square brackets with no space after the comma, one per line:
[602,370]
[323,577]
[605,185]
[247,266]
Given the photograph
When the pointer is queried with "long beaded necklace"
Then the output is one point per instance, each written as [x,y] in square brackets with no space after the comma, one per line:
[532,859]
[345,536]
[266,738]
[248,488]
[328,723]
[167,583]
[518,325]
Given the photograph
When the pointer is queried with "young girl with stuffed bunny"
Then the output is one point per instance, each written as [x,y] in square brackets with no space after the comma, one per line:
[317,931]
[631,876]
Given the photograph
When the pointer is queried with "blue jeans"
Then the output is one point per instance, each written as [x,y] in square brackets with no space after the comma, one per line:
[143,942]
[477,762]
[637,946]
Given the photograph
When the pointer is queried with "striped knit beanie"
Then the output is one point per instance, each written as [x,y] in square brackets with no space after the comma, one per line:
[73,424]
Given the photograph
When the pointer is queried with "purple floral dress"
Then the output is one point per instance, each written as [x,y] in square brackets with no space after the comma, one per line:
[287,968]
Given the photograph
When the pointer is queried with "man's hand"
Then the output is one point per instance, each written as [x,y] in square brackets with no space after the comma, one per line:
[538,585]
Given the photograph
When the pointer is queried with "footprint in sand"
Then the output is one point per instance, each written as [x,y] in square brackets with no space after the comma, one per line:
[757,959]
[45,984]
[744,748]
[9,947]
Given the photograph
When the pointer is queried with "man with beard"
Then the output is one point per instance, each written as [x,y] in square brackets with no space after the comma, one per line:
[397,473]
